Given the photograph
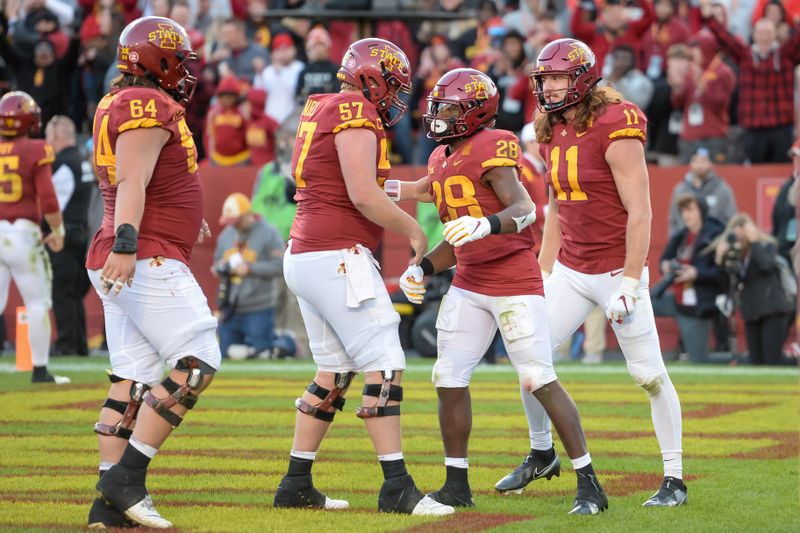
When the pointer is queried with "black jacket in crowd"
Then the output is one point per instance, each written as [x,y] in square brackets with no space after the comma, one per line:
[708,282]
[762,291]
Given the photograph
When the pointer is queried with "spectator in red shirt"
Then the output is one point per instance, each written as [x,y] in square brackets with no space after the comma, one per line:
[261,129]
[703,91]
[611,29]
[766,86]
[226,133]
[668,29]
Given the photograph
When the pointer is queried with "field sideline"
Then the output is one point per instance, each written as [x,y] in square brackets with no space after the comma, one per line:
[219,470]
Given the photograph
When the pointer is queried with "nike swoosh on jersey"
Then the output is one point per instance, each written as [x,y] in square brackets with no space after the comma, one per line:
[456,163]
[581,134]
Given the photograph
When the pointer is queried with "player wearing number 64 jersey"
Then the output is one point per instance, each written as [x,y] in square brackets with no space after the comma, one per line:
[474,178]
[596,238]
[153,203]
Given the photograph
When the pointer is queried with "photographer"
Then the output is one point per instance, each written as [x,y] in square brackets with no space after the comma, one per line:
[689,269]
[248,258]
[766,308]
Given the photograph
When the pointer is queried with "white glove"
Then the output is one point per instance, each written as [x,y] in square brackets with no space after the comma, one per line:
[466,229]
[622,303]
[411,284]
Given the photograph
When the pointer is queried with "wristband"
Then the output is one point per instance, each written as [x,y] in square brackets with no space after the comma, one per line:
[125,240]
[392,189]
[629,286]
[58,231]
[426,266]
[494,224]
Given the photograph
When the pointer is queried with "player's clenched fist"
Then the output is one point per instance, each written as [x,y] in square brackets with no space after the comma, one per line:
[623,302]
[466,229]
[411,284]
[118,271]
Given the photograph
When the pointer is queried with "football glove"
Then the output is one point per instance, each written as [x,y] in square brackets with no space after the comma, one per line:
[412,285]
[622,303]
[466,229]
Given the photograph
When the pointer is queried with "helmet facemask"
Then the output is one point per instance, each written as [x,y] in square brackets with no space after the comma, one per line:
[390,106]
[446,119]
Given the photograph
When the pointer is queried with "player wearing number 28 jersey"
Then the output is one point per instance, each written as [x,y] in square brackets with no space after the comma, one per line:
[339,165]
[474,178]
[597,235]
[155,312]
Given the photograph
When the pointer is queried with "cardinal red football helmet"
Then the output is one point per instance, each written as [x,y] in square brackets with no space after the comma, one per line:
[568,57]
[19,115]
[462,102]
[380,70]
[158,49]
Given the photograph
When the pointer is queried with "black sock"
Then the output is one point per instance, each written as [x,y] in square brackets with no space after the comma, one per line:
[586,471]
[546,456]
[457,476]
[134,459]
[299,466]
[39,371]
[393,469]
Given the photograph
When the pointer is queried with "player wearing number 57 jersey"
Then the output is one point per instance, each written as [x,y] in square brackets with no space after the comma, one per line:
[474,178]
[596,239]
[339,165]
[26,185]
[155,312]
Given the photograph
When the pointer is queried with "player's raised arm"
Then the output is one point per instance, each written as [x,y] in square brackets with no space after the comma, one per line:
[399,191]
[357,149]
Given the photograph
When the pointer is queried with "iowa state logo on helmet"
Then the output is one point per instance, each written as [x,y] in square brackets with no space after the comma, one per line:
[478,88]
[166,37]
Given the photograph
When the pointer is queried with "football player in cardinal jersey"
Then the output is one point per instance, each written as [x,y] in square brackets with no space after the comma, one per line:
[339,165]
[25,184]
[155,312]
[596,239]
[474,178]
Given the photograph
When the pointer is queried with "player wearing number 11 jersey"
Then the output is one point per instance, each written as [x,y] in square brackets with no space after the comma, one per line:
[596,239]
[153,203]
[474,178]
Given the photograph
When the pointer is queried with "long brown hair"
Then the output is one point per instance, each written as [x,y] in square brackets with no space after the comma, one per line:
[129,80]
[585,111]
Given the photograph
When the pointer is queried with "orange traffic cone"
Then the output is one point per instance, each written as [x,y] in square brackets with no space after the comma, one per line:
[24,363]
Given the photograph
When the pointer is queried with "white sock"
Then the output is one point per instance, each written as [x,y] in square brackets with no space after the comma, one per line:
[458,462]
[146,449]
[666,412]
[105,466]
[391,456]
[580,462]
[538,422]
[309,456]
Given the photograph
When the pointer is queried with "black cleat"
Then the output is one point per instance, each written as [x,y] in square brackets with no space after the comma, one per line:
[672,493]
[454,495]
[532,468]
[590,499]
[124,489]
[103,515]
[299,492]
[401,495]
[41,375]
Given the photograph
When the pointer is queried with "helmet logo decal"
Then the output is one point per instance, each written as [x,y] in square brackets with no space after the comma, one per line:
[133,57]
[578,53]
[166,37]
[477,88]
[123,53]
[349,61]
[389,58]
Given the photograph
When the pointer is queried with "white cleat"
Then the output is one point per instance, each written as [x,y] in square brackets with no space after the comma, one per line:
[336,505]
[62,380]
[145,513]
[429,507]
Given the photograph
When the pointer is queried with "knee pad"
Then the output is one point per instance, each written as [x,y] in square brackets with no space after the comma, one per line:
[180,394]
[329,398]
[532,377]
[128,410]
[384,392]
[651,385]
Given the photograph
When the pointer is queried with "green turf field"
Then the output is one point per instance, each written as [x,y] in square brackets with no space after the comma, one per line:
[219,470]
